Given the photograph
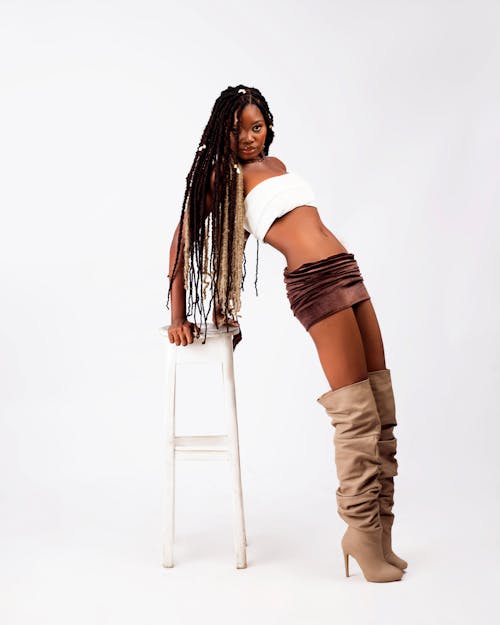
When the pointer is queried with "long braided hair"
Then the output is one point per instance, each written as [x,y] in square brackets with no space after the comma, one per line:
[224,268]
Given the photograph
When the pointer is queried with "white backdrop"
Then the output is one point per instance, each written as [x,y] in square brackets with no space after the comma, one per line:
[390,110]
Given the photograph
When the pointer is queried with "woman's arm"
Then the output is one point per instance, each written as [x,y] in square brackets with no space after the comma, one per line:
[180,330]
[178,292]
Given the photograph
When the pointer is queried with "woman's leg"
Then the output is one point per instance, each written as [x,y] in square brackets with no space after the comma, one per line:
[380,380]
[370,334]
[339,343]
[351,406]
[349,344]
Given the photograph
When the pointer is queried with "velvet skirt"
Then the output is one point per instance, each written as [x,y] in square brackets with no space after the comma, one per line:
[321,288]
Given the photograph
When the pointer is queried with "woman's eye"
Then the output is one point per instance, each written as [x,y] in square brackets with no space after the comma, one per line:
[256,128]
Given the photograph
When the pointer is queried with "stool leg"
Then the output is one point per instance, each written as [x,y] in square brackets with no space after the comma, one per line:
[232,430]
[169,491]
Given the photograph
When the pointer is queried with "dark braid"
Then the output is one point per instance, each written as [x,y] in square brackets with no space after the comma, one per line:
[225,270]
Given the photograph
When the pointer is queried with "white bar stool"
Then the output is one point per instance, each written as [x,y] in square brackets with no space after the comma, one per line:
[218,348]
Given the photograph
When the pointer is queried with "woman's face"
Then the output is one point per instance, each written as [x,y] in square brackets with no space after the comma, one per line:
[253,130]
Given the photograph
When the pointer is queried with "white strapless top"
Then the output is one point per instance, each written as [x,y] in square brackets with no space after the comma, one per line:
[273,197]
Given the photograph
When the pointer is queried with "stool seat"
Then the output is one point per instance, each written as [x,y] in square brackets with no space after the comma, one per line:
[217,348]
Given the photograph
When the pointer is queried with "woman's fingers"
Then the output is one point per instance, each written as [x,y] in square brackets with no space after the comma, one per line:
[183,334]
[176,336]
[191,330]
[187,334]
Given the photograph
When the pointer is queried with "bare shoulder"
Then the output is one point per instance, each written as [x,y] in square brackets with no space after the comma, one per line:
[257,171]
[270,164]
[279,163]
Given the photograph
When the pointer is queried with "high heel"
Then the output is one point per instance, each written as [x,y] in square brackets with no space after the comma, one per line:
[366,549]
[346,563]
[384,397]
[353,413]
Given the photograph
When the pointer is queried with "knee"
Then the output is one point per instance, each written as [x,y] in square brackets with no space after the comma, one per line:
[347,379]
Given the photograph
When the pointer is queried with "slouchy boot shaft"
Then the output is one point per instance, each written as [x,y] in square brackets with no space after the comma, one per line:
[384,397]
[353,413]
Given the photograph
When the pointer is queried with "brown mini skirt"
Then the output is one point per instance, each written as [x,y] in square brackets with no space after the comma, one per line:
[320,288]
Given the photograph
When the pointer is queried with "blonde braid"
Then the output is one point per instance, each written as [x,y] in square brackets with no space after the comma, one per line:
[223,254]
[207,274]
[238,245]
[235,231]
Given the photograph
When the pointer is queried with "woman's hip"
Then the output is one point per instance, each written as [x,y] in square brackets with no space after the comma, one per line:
[320,288]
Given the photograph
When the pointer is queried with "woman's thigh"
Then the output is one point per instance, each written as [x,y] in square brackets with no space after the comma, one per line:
[370,335]
[339,343]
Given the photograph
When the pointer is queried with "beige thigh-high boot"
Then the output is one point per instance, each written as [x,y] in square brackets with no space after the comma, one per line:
[384,398]
[353,413]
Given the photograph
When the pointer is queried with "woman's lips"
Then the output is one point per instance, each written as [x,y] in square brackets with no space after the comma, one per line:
[249,149]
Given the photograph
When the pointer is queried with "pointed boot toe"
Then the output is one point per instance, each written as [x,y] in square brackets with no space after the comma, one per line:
[366,548]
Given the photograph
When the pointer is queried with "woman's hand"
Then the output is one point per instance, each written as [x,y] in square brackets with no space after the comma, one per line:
[180,331]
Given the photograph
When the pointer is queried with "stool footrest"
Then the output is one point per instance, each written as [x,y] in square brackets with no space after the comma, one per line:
[205,447]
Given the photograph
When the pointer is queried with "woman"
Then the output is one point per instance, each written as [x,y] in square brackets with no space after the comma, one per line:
[235,188]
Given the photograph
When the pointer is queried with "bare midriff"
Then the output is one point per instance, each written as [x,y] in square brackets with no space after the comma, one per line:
[301,237]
